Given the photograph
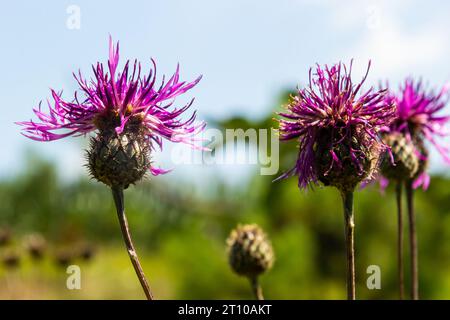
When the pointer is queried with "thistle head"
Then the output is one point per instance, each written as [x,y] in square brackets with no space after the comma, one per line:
[119,159]
[86,252]
[11,259]
[250,252]
[404,163]
[337,128]
[350,171]
[36,245]
[417,119]
[64,257]
[129,113]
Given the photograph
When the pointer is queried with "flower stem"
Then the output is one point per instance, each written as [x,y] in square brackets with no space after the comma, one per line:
[347,198]
[256,288]
[412,242]
[401,281]
[120,206]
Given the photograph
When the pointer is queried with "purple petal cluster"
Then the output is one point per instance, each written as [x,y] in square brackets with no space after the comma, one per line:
[417,118]
[332,102]
[122,95]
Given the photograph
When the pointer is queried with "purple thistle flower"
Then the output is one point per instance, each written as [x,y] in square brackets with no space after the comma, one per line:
[129,114]
[418,120]
[114,99]
[336,125]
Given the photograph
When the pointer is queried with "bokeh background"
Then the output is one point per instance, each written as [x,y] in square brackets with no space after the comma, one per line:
[251,54]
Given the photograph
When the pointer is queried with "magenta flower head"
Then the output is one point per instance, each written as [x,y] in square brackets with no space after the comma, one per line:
[417,121]
[130,113]
[337,127]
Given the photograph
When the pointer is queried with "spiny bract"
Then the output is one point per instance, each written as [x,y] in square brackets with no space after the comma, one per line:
[405,164]
[250,252]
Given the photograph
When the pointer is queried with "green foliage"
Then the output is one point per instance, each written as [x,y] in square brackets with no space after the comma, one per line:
[180,236]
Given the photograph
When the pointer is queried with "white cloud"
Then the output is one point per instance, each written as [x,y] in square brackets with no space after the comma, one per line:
[396,47]
[397,52]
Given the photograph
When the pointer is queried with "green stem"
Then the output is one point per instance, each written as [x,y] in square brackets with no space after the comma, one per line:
[413,242]
[117,193]
[347,199]
[401,281]
[256,288]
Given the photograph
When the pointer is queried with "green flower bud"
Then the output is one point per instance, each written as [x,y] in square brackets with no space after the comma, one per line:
[119,160]
[250,252]
[406,161]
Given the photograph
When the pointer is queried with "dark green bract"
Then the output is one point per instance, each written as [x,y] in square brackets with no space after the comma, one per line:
[119,160]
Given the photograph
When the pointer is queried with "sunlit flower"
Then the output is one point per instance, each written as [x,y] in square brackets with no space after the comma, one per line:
[129,113]
[337,127]
[417,119]
[115,100]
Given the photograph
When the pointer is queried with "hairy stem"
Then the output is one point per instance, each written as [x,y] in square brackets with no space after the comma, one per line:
[413,242]
[256,288]
[347,199]
[401,281]
[120,206]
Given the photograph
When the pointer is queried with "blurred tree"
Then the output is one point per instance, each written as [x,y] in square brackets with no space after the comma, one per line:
[183,234]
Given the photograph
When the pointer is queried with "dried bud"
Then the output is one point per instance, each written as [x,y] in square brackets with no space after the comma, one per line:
[119,159]
[86,252]
[406,161]
[358,158]
[250,253]
[11,260]
[35,245]
[64,257]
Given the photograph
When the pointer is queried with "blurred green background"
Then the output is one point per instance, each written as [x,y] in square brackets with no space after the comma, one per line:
[247,51]
[180,236]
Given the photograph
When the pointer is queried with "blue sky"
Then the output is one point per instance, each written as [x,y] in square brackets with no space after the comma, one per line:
[247,52]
